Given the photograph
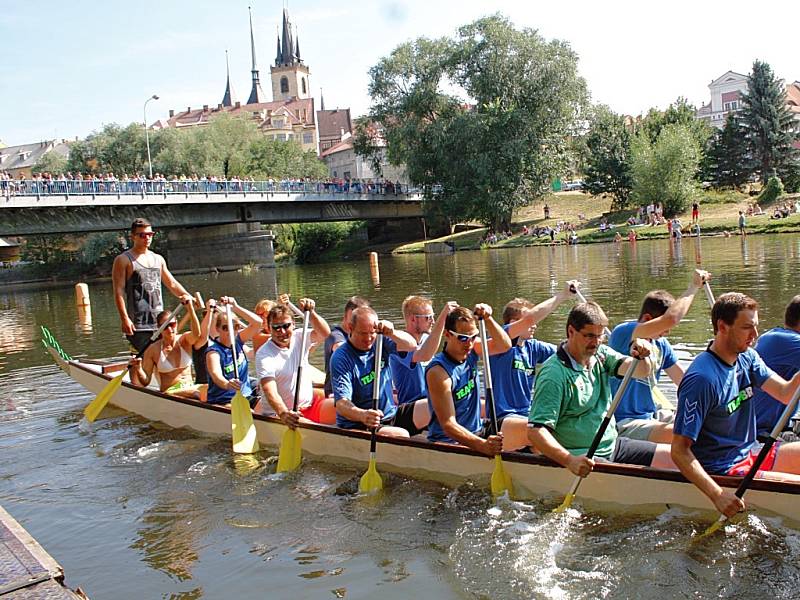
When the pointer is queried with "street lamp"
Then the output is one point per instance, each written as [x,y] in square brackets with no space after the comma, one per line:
[147,136]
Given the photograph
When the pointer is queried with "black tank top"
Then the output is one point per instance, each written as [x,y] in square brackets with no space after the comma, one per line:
[143,294]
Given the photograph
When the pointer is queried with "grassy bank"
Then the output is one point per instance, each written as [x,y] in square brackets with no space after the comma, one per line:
[719,213]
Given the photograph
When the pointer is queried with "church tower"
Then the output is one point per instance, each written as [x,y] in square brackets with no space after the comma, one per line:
[257,95]
[290,77]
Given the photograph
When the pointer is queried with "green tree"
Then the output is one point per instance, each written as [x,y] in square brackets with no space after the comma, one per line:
[768,123]
[312,239]
[99,249]
[664,171]
[679,112]
[726,162]
[270,158]
[608,146]
[480,121]
[52,162]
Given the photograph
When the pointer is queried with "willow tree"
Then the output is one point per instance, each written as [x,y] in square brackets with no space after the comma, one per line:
[481,121]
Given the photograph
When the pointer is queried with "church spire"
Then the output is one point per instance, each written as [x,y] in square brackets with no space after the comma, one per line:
[256,93]
[287,48]
[321,100]
[278,56]
[297,45]
[229,98]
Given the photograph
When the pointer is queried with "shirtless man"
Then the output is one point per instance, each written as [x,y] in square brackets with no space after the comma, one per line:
[137,275]
[171,358]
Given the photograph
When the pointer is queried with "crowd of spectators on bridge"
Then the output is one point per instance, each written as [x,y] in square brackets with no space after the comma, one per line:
[108,183]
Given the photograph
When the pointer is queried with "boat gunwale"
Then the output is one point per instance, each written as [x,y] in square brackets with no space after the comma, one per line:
[609,468]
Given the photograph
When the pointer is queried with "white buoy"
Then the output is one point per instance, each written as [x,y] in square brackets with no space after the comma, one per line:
[82,294]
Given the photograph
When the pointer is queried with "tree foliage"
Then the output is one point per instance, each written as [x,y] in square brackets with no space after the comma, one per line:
[608,146]
[768,123]
[664,171]
[313,239]
[51,162]
[679,112]
[726,162]
[481,120]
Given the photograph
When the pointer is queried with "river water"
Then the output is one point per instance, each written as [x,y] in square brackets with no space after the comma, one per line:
[133,509]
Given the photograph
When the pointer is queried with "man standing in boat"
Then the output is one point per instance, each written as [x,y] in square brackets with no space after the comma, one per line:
[353,377]
[278,361]
[715,422]
[514,371]
[452,378]
[640,414]
[137,275]
[408,368]
[779,348]
[573,394]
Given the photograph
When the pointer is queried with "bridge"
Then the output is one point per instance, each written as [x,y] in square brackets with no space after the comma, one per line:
[223,221]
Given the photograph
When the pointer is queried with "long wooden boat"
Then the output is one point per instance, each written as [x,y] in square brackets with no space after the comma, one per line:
[648,489]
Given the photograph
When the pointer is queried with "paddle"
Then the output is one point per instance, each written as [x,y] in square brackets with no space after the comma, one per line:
[289,455]
[709,294]
[598,437]
[582,298]
[96,406]
[748,479]
[243,430]
[371,481]
[501,481]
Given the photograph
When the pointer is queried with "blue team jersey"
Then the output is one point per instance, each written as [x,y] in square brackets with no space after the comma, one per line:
[715,408]
[513,374]
[637,401]
[352,377]
[408,377]
[466,399]
[779,348]
[217,395]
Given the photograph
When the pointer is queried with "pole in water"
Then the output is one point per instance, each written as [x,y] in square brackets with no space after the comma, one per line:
[82,294]
[374,271]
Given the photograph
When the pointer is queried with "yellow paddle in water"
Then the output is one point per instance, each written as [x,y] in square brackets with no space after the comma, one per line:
[243,430]
[371,481]
[598,437]
[501,481]
[290,455]
[96,406]
[748,479]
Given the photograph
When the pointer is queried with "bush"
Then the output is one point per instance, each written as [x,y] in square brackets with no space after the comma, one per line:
[313,239]
[772,191]
[100,249]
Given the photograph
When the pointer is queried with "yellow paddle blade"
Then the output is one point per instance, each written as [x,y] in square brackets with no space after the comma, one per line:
[371,481]
[290,453]
[96,406]
[565,504]
[501,481]
[713,527]
[660,399]
[242,427]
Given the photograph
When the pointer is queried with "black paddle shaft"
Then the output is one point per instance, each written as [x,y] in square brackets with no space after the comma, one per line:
[300,363]
[748,479]
[158,331]
[376,389]
[487,375]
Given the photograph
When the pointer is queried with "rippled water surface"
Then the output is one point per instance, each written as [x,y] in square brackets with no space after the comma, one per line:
[133,509]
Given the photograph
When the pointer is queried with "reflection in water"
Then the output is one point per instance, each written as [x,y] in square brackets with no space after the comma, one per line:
[85,319]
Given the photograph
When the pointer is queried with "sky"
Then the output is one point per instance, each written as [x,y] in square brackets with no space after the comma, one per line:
[68,68]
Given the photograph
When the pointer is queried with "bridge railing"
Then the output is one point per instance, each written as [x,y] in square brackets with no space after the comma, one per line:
[165,187]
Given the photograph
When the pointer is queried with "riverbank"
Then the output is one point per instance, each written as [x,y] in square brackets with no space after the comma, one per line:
[719,213]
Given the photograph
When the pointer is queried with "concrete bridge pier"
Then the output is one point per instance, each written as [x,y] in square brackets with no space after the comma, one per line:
[220,247]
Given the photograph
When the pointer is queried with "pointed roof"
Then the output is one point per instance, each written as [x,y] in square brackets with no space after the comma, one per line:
[288,44]
[257,95]
[297,46]
[229,97]
[321,100]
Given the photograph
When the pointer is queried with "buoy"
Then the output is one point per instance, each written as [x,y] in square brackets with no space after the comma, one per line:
[82,294]
[373,269]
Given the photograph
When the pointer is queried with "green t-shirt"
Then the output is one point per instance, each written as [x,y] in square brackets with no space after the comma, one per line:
[571,402]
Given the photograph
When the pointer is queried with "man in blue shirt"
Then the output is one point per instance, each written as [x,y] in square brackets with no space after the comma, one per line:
[639,415]
[715,422]
[779,348]
[452,378]
[408,368]
[514,371]
[353,377]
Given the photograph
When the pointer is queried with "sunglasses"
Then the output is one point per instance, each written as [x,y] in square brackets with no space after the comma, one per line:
[282,326]
[428,317]
[145,234]
[463,337]
[172,325]
[235,328]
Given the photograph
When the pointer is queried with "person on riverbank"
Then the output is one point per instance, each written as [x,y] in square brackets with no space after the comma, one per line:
[338,336]
[137,275]
[408,368]
[452,379]
[514,371]
[225,378]
[641,414]
[695,212]
[171,358]
[353,375]
[779,348]
[572,395]
[277,363]
[715,422]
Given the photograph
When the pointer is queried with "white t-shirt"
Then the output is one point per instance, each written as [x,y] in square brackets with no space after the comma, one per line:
[280,364]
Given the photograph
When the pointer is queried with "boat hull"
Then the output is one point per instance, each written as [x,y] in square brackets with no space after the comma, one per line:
[532,476]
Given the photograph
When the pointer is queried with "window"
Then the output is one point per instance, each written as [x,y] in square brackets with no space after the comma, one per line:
[284,85]
[277,122]
[308,138]
[303,82]
[281,137]
[290,136]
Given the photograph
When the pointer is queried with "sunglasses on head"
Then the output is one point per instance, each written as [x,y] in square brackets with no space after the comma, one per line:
[463,337]
[281,326]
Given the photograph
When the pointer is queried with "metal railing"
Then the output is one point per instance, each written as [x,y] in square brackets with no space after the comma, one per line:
[165,187]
